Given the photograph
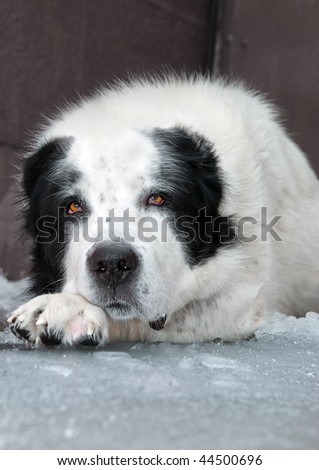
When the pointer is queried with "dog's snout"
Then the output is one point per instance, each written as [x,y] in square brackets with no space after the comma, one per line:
[116,260]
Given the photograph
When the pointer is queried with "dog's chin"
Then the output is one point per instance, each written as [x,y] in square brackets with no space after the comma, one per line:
[123,311]
[118,309]
[129,308]
[117,306]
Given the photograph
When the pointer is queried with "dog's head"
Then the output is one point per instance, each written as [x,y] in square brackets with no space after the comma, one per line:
[130,219]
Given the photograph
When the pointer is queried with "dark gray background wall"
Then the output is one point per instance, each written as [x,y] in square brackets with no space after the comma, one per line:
[50,50]
[274,44]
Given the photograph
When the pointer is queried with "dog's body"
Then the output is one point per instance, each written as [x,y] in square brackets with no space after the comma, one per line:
[162,152]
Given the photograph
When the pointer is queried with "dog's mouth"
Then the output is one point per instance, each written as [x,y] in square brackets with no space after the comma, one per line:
[118,308]
[117,304]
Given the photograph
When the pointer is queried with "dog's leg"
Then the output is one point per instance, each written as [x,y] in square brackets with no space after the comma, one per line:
[136,330]
[60,319]
[70,319]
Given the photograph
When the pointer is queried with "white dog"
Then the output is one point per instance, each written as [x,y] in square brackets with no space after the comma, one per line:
[167,210]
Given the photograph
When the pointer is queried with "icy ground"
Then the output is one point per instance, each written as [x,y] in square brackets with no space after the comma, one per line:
[257,394]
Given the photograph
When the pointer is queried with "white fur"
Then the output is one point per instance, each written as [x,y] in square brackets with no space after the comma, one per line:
[233,292]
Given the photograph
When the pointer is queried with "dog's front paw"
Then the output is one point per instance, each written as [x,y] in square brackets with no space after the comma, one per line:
[54,319]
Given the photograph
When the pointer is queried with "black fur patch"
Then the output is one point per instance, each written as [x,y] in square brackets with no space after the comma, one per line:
[90,340]
[50,338]
[20,332]
[193,189]
[47,185]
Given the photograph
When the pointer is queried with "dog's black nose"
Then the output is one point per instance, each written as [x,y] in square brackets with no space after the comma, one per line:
[114,260]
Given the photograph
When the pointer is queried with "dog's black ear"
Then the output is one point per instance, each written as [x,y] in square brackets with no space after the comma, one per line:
[39,164]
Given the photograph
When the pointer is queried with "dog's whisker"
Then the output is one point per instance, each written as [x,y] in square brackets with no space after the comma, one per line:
[51,284]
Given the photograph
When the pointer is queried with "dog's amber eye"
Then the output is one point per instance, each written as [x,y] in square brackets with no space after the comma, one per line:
[73,208]
[155,200]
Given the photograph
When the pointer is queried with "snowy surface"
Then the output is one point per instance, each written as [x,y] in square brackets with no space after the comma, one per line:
[257,394]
